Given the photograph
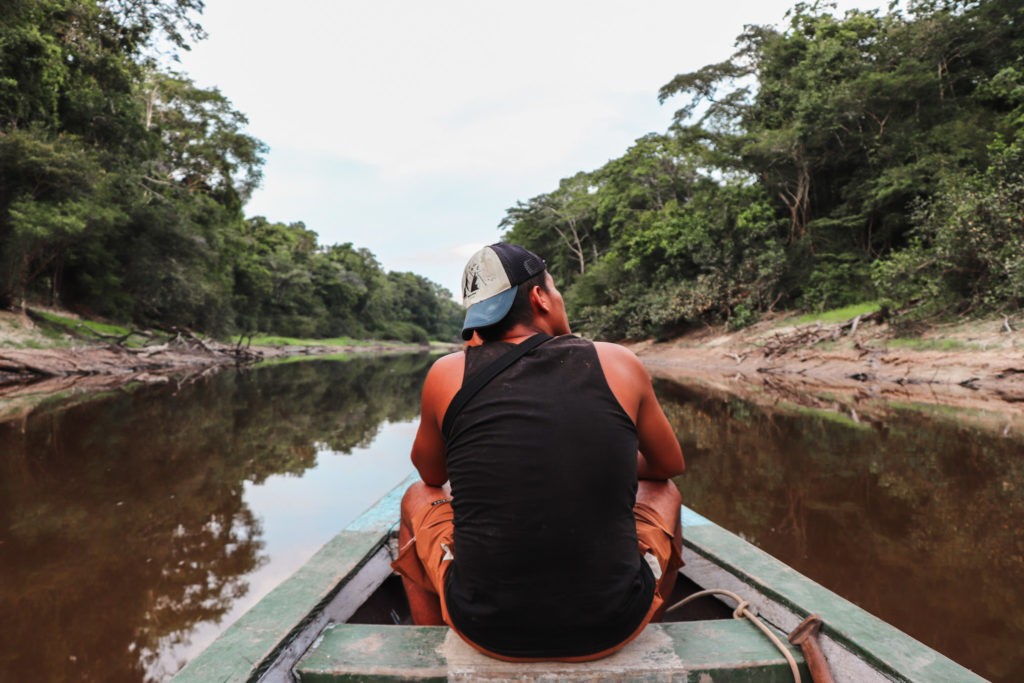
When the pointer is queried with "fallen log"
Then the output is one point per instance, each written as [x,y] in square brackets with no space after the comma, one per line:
[809,335]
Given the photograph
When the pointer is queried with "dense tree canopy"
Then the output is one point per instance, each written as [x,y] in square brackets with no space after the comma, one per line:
[122,189]
[872,155]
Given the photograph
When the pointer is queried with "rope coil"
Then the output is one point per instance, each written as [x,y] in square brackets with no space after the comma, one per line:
[742,610]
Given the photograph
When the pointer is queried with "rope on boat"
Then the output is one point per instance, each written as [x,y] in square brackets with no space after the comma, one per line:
[740,612]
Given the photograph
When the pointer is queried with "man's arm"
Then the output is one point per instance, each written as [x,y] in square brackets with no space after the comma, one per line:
[660,456]
[440,386]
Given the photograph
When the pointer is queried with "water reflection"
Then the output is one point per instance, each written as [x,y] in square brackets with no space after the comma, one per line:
[134,526]
[124,522]
[916,518]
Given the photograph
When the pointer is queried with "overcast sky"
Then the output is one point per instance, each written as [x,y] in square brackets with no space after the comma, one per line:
[410,127]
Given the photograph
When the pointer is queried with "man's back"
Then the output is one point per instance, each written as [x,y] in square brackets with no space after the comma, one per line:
[542,464]
[544,468]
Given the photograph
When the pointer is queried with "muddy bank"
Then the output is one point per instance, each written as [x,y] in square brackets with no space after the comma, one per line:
[828,367]
[36,368]
[852,367]
[29,377]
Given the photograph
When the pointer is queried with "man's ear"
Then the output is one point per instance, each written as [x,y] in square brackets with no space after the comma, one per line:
[539,299]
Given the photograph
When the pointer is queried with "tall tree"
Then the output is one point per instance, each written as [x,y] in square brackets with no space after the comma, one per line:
[797,164]
[847,121]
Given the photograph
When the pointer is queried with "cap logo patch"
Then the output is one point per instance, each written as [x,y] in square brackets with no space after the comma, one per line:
[483,277]
[472,282]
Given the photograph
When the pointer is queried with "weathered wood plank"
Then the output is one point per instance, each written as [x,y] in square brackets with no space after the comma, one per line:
[723,651]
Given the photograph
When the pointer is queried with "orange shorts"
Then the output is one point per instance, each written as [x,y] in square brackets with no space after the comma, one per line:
[425,559]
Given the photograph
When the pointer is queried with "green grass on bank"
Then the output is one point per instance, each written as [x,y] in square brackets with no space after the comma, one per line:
[839,315]
[833,416]
[76,324]
[932,344]
[274,340]
[54,329]
[285,360]
[56,325]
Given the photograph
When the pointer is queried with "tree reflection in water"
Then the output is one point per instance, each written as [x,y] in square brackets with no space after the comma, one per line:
[122,520]
[915,515]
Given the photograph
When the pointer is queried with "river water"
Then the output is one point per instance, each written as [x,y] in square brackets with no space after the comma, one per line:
[136,525]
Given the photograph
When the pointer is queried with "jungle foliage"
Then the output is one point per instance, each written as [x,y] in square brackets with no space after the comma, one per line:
[869,156]
[122,188]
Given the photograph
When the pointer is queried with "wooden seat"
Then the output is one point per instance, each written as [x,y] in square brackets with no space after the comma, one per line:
[701,652]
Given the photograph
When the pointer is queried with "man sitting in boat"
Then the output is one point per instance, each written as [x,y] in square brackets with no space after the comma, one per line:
[560,537]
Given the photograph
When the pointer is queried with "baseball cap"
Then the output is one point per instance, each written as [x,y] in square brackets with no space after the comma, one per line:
[489,283]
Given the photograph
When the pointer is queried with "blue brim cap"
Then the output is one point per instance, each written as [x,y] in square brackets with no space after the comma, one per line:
[488,312]
[490,281]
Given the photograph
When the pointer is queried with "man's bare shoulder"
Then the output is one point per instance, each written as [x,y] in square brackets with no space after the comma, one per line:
[625,375]
[449,362]
[618,355]
[445,375]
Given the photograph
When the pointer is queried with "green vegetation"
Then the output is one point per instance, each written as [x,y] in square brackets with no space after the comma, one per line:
[831,416]
[285,360]
[50,336]
[838,315]
[74,326]
[873,156]
[124,186]
[958,417]
[268,340]
[931,344]
[29,344]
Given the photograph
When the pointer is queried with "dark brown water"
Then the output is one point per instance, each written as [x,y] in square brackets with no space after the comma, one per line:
[916,517]
[136,526]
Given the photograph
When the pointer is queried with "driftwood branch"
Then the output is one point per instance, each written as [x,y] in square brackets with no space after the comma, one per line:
[809,335]
[184,352]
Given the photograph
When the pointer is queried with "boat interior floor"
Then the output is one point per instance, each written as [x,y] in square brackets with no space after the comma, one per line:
[388,605]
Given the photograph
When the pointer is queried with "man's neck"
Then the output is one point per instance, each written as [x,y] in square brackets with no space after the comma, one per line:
[521,333]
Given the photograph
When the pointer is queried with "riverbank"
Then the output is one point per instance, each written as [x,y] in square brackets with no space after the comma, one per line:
[977,365]
[38,365]
[846,366]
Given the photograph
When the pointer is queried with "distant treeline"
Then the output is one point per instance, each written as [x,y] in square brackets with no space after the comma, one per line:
[876,156]
[122,187]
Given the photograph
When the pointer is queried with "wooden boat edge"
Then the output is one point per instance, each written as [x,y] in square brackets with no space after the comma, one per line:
[278,626]
[858,645]
[266,641]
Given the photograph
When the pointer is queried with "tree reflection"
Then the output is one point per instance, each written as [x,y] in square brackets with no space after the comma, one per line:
[914,517]
[122,520]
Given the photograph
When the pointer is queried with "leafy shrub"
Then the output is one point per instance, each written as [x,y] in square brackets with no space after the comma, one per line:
[742,317]
[967,252]
[838,280]
[404,331]
[715,258]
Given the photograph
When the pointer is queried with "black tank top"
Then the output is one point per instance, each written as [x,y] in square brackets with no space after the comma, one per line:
[542,463]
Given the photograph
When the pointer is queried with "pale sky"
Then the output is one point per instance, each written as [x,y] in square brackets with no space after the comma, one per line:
[410,127]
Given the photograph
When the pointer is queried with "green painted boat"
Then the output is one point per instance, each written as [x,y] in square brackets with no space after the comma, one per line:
[324,624]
